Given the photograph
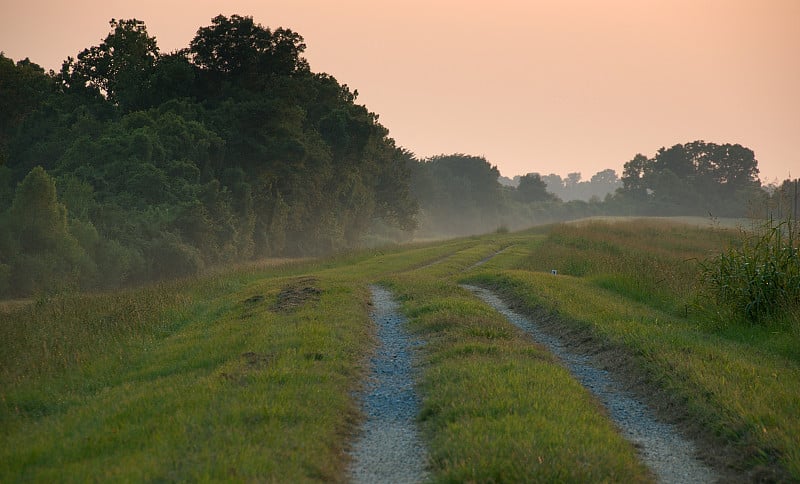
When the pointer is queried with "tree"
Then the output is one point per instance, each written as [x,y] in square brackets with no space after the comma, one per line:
[120,67]
[634,183]
[39,248]
[572,180]
[23,88]
[605,177]
[240,49]
[696,177]
[532,188]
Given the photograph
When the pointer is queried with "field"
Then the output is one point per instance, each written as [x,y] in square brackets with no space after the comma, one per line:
[250,374]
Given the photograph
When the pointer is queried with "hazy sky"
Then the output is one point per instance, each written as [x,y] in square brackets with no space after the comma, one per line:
[534,86]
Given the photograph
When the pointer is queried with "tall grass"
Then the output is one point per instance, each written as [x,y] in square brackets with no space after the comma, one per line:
[650,261]
[759,280]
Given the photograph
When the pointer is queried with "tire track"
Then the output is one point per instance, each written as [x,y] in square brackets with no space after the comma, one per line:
[670,456]
[388,448]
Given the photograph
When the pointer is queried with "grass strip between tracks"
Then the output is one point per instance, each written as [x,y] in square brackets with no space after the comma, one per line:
[497,408]
[737,393]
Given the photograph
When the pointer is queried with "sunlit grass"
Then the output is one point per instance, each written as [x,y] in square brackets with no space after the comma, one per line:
[184,382]
[737,381]
[653,262]
[205,379]
[497,408]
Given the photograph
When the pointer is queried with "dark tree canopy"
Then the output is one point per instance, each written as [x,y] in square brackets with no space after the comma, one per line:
[130,165]
[156,165]
[239,48]
[121,66]
[532,188]
[703,177]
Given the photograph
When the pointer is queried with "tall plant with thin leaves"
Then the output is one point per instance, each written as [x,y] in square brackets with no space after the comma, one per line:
[760,280]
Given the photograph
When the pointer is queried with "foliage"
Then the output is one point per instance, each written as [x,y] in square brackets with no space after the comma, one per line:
[692,179]
[120,67]
[532,188]
[175,381]
[232,149]
[759,280]
[600,185]
[227,150]
[458,194]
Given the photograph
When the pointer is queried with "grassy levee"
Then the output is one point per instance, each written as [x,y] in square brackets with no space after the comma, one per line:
[246,375]
[225,389]
[738,384]
[496,407]
[249,374]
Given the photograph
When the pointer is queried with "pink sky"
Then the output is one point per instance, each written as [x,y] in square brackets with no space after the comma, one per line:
[534,86]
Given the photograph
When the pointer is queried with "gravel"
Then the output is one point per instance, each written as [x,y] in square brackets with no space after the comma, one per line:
[670,456]
[389,448]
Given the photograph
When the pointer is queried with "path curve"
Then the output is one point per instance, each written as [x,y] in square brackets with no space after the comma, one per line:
[389,448]
[671,457]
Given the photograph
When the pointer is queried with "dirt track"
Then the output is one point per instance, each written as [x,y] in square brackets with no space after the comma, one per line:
[672,458]
[389,448]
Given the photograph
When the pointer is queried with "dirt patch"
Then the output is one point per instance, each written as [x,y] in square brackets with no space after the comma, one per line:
[256,361]
[296,294]
[727,460]
[255,299]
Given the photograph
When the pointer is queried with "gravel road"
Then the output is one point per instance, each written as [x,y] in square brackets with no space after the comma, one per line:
[670,456]
[389,448]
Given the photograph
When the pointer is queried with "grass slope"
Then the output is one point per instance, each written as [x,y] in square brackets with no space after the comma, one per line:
[736,382]
[249,374]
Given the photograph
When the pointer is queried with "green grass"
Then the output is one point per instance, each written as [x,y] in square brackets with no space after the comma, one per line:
[497,408]
[759,281]
[737,382]
[186,386]
[190,381]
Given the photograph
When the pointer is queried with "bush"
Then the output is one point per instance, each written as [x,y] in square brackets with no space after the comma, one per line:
[171,257]
[761,279]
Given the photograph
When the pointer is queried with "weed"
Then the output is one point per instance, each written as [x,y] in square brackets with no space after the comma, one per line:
[760,279]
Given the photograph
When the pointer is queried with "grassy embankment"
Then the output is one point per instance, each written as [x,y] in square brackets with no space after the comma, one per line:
[243,375]
[249,375]
[497,408]
[631,288]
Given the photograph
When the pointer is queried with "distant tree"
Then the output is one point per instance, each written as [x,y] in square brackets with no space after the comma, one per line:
[605,177]
[697,178]
[572,179]
[40,219]
[40,247]
[532,188]
[633,177]
[23,88]
[458,193]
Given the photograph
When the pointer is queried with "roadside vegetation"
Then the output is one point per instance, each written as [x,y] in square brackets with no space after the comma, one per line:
[497,408]
[635,290]
[131,165]
[236,377]
[250,374]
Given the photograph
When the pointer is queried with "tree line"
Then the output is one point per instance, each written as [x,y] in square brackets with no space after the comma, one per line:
[130,164]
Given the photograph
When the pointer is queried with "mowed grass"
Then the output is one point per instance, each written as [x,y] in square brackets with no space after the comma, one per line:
[205,380]
[214,380]
[497,407]
[738,383]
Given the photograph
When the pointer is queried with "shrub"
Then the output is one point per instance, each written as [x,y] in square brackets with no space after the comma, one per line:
[760,279]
